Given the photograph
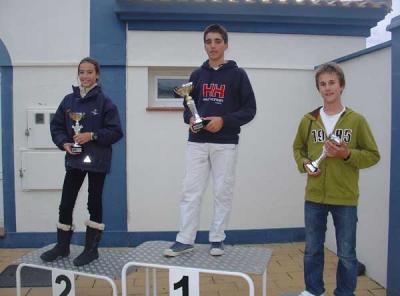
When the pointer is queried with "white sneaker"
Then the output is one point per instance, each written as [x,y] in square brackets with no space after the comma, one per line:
[306,293]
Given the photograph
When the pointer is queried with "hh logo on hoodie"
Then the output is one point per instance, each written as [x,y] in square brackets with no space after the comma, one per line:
[213,92]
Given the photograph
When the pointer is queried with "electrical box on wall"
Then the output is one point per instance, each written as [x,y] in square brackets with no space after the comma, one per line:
[38,128]
[42,170]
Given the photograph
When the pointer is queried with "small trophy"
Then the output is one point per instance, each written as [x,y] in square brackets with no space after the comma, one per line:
[314,165]
[184,91]
[76,116]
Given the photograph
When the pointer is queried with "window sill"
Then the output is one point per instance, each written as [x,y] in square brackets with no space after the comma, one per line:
[164,109]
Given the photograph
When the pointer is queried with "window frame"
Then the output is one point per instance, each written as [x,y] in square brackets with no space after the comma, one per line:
[155,74]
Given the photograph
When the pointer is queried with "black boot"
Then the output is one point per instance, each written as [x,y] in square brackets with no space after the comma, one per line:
[61,249]
[93,236]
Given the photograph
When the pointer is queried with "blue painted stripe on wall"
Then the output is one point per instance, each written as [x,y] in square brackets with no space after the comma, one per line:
[107,34]
[7,122]
[393,266]
[363,52]
[132,239]
[108,46]
[253,27]
[245,17]
[179,9]
[5,59]
[115,193]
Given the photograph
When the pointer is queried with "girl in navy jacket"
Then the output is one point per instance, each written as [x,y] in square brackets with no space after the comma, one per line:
[100,129]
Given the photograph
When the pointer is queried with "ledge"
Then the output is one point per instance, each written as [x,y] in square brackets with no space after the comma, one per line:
[257,17]
[164,109]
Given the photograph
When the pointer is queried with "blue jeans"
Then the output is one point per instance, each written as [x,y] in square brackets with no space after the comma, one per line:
[345,221]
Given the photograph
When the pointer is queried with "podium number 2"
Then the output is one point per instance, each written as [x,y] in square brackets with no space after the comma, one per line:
[63,283]
[64,278]
[183,282]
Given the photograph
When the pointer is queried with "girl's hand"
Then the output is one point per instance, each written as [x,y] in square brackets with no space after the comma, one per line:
[67,147]
[83,138]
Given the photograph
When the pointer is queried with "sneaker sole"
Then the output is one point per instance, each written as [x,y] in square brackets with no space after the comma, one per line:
[170,253]
[216,252]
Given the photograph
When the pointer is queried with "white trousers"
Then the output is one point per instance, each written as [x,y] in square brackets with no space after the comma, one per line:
[201,159]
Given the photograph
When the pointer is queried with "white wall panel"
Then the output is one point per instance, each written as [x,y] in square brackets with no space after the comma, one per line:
[45,31]
[37,88]
[250,50]
[268,185]
[368,91]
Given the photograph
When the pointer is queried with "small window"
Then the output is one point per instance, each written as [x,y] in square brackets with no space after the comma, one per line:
[166,85]
[162,82]
[39,118]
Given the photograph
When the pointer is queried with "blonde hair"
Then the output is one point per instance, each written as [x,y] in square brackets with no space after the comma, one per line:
[330,68]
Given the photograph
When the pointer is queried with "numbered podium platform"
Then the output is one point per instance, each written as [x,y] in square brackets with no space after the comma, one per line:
[108,267]
[184,269]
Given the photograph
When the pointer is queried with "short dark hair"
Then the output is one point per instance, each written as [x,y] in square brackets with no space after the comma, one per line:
[90,61]
[216,28]
[330,68]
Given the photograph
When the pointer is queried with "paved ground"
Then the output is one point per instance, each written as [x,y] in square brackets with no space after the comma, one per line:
[285,274]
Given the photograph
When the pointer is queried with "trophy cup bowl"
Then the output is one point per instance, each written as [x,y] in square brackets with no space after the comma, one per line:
[314,165]
[184,91]
[76,116]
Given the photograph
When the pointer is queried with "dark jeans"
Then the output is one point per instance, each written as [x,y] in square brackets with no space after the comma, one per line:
[72,183]
[345,221]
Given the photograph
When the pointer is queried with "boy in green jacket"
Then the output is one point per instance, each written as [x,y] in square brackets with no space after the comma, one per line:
[333,187]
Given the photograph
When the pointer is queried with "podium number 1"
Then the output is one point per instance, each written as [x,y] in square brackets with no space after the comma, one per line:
[183,282]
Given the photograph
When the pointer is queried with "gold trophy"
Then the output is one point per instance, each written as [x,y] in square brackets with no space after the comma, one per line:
[76,116]
[184,91]
[314,165]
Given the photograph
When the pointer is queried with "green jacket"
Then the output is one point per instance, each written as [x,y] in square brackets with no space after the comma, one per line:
[338,182]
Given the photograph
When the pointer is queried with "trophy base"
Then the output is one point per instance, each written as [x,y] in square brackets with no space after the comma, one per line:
[312,168]
[197,126]
[76,149]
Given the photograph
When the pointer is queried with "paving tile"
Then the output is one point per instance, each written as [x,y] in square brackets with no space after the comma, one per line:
[363,293]
[12,291]
[378,292]
[364,282]
[84,282]
[39,292]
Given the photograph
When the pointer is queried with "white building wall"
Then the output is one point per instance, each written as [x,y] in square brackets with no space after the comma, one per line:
[254,50]
[45,31]
[269,190]
[368,91]
[45,39]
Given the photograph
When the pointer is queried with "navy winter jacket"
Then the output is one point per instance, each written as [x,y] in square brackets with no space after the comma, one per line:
[101,117]
[225,92]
